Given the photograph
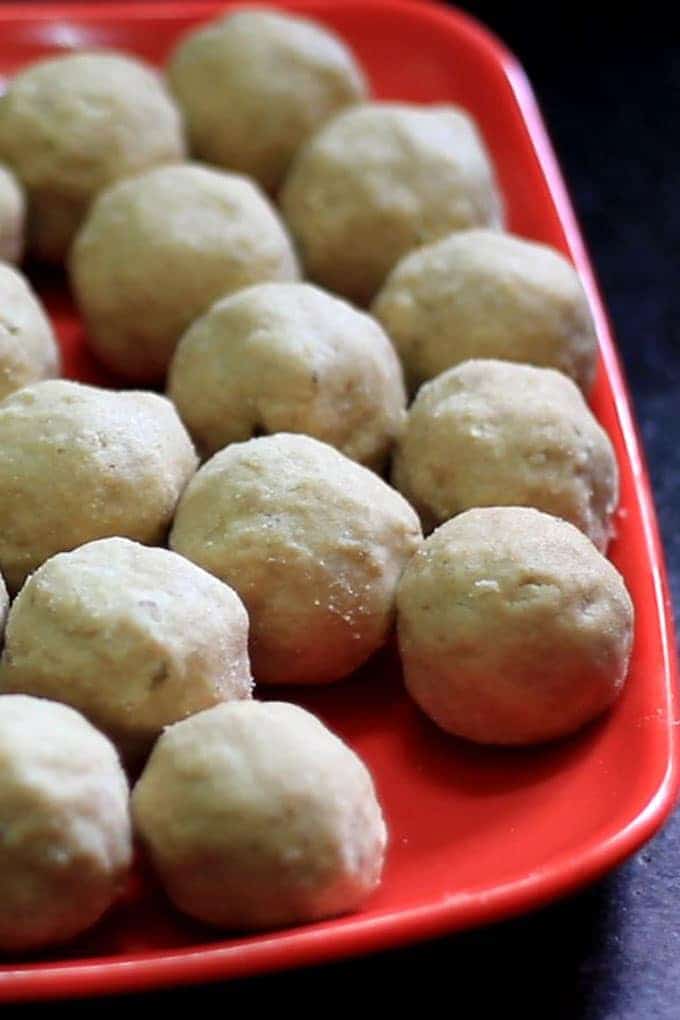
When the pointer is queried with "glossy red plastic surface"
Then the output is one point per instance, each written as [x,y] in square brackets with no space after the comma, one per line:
[476,835]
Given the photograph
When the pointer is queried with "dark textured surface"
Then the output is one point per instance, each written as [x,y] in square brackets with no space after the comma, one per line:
[609,86]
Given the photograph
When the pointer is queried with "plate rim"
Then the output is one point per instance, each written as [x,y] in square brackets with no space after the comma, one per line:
[363,934]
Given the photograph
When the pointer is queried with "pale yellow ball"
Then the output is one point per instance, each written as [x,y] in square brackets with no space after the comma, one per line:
[513,628]
[379,180]
[28,348]
[288,357]
[313,543]
[158,249]
[71,124]
[79,463]
[254,85]
[493,433]
[66,844]
[134,638]
[256,816]
[485,294]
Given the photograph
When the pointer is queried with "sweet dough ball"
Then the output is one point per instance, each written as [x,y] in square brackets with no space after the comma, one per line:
[513,628]
[287,357]
[134,638]
[79,463]
[484,294]
[72,124]
[28,349]
[313,543]
[157,250]
[492,433]
[255,815]
[12,214]
[379,180]
[66,836]
[256,84]
[4,607]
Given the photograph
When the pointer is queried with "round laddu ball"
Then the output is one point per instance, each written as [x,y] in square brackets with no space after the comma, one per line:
[287,357]
[380,179]
[134,638]
[158,249]
[492,433]
[79,463]
[313,543]
[254,85]
[4,607]
[512,627]
[72,124]
[66,842]
[485,294]
[255,815]
[28,349]
[12,216]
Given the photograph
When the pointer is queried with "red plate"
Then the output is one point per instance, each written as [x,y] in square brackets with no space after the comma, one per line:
[476,835]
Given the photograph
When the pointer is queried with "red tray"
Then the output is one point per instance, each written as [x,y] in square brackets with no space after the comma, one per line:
[476,835]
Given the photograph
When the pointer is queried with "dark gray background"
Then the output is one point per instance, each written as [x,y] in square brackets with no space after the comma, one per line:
[609,86]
